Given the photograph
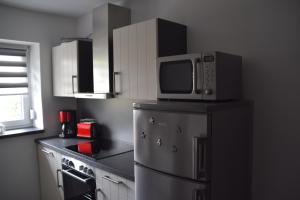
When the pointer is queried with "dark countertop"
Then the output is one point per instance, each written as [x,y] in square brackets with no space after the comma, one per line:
[121,164]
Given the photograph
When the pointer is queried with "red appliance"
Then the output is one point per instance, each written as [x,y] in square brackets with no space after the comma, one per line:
[86,130]
[67,119]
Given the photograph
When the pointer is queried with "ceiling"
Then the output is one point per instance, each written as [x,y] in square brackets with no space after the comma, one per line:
[71,8]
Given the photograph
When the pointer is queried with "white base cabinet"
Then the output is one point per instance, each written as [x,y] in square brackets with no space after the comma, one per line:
[112,187]
[51,182]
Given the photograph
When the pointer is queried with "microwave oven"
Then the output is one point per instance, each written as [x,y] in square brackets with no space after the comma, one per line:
[203,76]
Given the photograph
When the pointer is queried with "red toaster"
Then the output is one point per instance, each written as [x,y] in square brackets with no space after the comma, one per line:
[86,130]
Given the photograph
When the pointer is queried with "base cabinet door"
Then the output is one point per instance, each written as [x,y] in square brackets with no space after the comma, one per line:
[113,187]
[50,174]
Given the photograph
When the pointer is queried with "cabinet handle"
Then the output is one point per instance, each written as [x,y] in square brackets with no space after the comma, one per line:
[198,77]
[96,192]
[47,152]
[117,90]
[73,88]
[57,179]
[111,180]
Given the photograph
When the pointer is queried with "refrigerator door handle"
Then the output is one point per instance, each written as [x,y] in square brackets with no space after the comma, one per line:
[199,157]
[200,195]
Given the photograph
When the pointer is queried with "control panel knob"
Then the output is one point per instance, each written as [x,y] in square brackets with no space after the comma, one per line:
[208,91]
[71,164]
[90,172]
[151,120]
[85,170]
[81,167]
[66,161]
[63,160]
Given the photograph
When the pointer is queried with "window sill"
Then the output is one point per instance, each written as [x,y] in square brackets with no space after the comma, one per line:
[21,132]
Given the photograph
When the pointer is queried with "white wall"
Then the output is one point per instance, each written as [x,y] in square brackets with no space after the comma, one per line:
[85,25]
[18,168]
[266,33]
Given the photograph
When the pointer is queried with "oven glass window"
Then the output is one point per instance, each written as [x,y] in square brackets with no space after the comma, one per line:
[176,76]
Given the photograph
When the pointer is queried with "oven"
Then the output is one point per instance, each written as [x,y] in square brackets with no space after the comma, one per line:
[79,181]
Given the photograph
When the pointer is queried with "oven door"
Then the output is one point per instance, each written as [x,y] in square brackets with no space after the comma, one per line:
[78,186]
[178,77]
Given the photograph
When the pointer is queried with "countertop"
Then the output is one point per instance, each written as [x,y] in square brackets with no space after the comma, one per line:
[121,164]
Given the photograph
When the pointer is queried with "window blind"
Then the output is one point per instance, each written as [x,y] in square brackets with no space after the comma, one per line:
[13,71]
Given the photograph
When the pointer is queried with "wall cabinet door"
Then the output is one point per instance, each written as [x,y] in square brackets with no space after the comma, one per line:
[136,48]
[135,56]
[113,187]
[64,61]
[50,174]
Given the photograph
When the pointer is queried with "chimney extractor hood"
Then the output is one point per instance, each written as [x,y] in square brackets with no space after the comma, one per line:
[105,18]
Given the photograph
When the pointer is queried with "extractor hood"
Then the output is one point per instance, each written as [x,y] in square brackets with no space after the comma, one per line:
[105,18]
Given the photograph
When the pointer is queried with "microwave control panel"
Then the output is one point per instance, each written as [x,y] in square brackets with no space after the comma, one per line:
[209,76]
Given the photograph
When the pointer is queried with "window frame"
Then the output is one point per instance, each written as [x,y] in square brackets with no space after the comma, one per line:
[27,122]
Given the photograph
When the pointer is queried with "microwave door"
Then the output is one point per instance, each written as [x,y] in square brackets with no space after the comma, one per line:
[176,77]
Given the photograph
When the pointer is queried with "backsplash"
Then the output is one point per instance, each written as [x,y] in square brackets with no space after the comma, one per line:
[114,116]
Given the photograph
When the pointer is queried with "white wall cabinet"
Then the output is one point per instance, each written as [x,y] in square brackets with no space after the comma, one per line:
[72,68]
[136,48]
[112,187]
[51,182]
[64,60]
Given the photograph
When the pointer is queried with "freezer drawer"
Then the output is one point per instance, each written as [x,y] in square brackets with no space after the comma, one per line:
[175,143]
[153,185]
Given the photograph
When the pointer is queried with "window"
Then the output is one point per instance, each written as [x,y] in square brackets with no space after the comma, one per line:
[14,87]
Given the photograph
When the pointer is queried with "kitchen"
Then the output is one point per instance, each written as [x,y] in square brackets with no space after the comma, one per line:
[261,32]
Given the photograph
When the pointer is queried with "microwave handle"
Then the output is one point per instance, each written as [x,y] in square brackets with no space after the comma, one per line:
[198,77]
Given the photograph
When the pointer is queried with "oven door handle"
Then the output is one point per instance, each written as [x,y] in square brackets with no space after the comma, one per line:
[67,172]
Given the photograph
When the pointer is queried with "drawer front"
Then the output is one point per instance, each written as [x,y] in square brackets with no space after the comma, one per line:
[113,187]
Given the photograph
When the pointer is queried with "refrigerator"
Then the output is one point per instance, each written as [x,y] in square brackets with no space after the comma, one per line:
[192,150]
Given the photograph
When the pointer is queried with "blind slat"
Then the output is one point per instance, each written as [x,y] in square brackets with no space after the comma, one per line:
[13,85]
[13,91]
[12,52]
[13,74]
[13,64]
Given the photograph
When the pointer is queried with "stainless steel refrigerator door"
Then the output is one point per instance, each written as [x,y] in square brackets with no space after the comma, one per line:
[174,143]
[152,185]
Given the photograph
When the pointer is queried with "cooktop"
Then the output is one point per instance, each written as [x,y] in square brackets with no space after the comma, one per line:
[101,149]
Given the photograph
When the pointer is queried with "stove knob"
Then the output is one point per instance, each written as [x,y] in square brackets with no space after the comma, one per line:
[81,167]
[90,172]
[71,164]
[66,161]
[63,160]
[85,170]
